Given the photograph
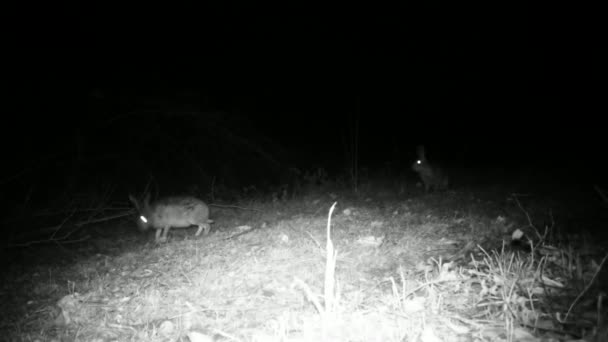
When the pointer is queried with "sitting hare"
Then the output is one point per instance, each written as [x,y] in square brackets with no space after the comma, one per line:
[176,212]
[433,177]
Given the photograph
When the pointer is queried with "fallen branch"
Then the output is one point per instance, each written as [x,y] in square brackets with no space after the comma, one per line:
[599,268]
[103,219]
[530,224]
[232,206]
[54,230]
[601,193]
[63,240]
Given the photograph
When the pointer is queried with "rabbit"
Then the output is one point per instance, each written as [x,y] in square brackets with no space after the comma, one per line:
[176,212]
[433,177]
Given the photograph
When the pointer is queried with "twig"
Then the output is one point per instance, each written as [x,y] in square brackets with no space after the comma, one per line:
[122,327]
[62,224]
[601,193]
[308,292]
[82,210]
[425,284]
[599,268]
[313,239]
[556,331]
[103,219]
[55,240]
[528,217]
[185,276]
[241,233]
[233,206]
[53,230]
[33,165]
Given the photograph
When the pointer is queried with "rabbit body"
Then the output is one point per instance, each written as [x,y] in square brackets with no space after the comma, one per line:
[433,177]
[176,212]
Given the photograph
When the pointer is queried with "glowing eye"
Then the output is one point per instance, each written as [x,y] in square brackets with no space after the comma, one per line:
[418,162]
[143,219]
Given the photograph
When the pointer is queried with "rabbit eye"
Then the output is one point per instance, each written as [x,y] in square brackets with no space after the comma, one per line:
[143,219]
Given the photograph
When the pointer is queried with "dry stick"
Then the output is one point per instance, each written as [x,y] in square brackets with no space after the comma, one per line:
[314,240]
[427,283]
[599,191]
[308,292]
[55,229]
[308,225]
[103,219]
[82,210]
[586,288]
[60,239]
[528,217]
[241,233]
[23,171]
[181,270]
[62,224]
[122,327]
[232,206]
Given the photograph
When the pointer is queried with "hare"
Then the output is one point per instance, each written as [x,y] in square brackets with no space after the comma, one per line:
[176,212]
[433,177]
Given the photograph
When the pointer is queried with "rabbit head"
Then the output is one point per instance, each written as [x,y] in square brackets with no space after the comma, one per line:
[433,177]
[143,212]
[176,212]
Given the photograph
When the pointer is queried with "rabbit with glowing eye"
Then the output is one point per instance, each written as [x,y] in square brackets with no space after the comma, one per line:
[176,212]
[432,176]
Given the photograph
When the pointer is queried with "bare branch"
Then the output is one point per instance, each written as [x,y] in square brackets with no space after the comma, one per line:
[601,193]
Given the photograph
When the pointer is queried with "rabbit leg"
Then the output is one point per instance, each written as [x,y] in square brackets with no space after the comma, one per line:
[165,232]
[202,226]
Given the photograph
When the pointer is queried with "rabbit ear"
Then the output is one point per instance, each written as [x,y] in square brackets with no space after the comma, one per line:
[420,151]
[134,201]
[147,201]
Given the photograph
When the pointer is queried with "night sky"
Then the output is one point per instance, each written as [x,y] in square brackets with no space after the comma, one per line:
[108,90]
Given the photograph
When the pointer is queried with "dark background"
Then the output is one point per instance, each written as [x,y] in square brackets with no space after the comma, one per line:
[119,95]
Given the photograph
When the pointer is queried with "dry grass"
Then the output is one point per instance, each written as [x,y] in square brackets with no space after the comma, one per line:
[438,267]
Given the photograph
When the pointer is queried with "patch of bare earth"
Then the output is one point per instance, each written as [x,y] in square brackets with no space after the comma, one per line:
[417,269]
